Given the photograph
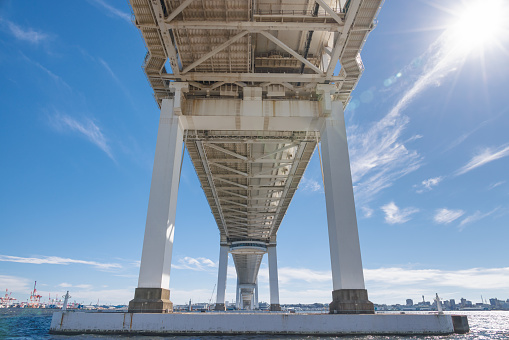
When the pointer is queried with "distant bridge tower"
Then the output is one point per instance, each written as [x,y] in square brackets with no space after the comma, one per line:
[251,88]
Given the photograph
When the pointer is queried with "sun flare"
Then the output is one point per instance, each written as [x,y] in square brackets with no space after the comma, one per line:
[480,24]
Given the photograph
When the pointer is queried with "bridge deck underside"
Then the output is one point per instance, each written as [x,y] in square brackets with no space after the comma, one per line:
[225,41]
[249,179]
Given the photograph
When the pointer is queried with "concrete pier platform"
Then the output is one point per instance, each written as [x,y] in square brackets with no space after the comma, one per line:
[231,323]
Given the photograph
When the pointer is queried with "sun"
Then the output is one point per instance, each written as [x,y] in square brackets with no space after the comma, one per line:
[480,24]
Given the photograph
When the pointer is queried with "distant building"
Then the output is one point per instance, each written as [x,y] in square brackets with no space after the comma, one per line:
[409,302]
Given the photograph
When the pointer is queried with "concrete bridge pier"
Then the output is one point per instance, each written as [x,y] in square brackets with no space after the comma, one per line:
[349,295]
[255,302]
[273,278]
[238,303]
[221,277]
[153,294]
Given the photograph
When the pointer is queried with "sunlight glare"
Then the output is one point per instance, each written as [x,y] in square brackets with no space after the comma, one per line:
[479,24]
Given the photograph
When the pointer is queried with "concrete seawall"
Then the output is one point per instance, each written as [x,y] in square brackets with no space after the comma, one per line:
[70,322]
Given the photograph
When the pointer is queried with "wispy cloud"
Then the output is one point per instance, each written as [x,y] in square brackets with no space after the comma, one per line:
[446,216]
[119,83]
[310,185]
[110,10]
[367,211]
[378,155]
[428,184]
[475,217]
[86,128]
[497,184]
[52,75]
[485,156]
[395,215]
[198,264]
[58,260]
[25,33]
[108,68]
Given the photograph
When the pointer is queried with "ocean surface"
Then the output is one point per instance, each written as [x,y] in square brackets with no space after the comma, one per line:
[35,323]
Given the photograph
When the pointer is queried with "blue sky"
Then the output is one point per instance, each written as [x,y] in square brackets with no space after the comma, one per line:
[427,127]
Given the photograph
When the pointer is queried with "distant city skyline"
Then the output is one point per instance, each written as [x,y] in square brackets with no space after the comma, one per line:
[427,128]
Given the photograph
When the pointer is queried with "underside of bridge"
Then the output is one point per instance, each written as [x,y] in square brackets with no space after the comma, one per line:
[251,88]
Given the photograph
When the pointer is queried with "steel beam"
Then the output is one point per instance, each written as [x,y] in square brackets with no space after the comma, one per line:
[341,40]
[215,51]
[291,51]
[249,77]
[178,10]
[256,26]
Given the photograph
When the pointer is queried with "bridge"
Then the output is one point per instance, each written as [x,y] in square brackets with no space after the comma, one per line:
[251,88]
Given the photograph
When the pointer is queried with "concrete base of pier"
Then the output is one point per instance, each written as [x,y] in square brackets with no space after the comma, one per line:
[151,300]
[226,323]
[220,307]
[351,301]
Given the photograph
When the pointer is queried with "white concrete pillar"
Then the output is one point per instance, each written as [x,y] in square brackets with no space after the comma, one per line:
[256,305]
[158,242]
[221,276]
[239,297]
[273,278]
[342,221]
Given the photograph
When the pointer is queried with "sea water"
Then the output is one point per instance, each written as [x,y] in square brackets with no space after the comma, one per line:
[34,324]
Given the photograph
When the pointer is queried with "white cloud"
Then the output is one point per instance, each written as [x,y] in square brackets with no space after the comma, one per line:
[497,184]
[112,10]
[368,212]
[80,286]
[198,264]
[475,217]
[52,75]
[378,157]
[388,285]
[445,216]
[57,260]
[289,274]
[87,128]
[25,34]
[474,278]
[393,214]
[485,156]
[428,184]
[15,284]
[309,184]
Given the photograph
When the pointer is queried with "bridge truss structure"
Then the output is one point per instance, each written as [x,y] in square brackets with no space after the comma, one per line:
[251,87]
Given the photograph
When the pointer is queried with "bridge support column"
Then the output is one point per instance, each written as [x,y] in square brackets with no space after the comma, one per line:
[273,278]
[153,294]
[349,295]
[256,305]
[221,277]
[238,296]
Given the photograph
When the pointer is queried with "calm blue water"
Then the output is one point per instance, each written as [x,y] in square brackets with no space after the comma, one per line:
[34,324]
